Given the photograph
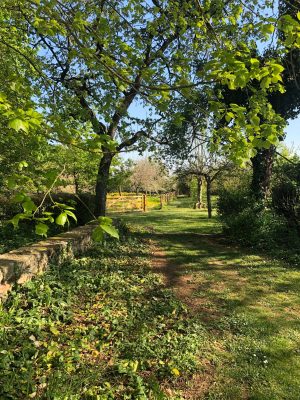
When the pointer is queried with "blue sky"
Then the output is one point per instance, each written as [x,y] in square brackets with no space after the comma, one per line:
[292,139]
[293,134]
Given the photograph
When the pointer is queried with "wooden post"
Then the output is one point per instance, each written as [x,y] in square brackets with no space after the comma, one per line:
[144,202]
[161,201]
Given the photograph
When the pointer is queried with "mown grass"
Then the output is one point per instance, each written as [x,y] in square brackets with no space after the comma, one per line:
[249,304]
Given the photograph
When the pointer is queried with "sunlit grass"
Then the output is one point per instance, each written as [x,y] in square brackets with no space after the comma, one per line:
[249,303]
[226,327]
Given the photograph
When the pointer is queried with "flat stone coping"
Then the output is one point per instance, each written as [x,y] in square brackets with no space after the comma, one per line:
[20,265]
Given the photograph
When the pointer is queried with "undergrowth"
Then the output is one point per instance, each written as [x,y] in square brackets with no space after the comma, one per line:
[99,327]
[25,235]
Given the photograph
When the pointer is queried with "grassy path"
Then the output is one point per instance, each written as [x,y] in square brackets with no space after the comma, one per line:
[248,305]
[167,313]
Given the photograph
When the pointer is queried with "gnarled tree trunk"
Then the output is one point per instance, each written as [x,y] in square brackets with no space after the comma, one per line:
[199,192]
[262,165]
[208,195]
[101,184]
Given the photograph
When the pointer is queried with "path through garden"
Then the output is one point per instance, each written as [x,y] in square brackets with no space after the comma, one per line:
[172,311]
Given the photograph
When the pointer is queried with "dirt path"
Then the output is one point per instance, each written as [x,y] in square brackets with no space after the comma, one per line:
[184,284]
[184,288]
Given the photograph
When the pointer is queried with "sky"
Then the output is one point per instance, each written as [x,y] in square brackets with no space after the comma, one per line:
[292,140]
[293,134]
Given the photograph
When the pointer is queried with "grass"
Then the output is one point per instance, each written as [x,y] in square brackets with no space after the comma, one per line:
[249,305]
[224,325]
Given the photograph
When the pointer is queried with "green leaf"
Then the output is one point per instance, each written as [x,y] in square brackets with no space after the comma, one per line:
[265,83]
[15,221]
[22,164]
[268,29]
[54,330]
[29,206]
[229,116]
[18,124]
[71,214]
[18,198]
[112,231]
[255,120]
[64,206]
[105,220]
[98,234]
[61,219]
[11,183]
[41,229]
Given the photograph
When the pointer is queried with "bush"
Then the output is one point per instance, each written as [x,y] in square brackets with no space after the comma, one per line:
[232,202]
[250,223]
[82,205]
[286,202]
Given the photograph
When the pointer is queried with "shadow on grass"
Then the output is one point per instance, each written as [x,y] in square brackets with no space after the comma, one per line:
[226,280]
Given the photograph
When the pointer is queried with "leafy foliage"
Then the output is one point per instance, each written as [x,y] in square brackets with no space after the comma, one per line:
[83,66]
[285,193]
[250,223]
[101,326]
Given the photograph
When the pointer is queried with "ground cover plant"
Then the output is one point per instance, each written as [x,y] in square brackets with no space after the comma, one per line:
[197,319]
[100,327]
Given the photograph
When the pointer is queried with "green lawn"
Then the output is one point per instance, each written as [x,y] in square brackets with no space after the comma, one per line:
[249,305]
[203,320]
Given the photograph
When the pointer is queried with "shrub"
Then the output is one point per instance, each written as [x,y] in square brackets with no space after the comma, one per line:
[252,224]
[232,202]
[286,202]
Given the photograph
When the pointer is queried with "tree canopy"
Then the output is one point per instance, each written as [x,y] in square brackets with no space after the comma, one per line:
[77,69]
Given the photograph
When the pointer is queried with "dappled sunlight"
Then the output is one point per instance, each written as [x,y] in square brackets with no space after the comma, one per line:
[249,303]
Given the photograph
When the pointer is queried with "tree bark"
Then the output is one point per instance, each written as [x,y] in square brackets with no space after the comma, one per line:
[262,165]
[199,192]
[76,183]
[208,195]
[101,184]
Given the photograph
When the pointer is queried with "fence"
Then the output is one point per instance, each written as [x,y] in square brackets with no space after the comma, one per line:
[131,202]
[126,203]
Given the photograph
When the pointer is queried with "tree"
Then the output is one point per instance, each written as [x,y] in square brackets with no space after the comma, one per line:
[121,172]
[285,103]
[148,176]
[87,63]
[97,58]
[204,165]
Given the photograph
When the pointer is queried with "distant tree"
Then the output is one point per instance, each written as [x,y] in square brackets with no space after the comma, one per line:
[148,176]
[121,172]
[205,165]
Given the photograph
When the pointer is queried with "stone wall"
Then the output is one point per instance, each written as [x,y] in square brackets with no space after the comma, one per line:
[22,264]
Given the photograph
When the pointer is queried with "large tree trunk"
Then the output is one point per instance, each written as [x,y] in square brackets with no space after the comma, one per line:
[208,195]
[199,192]
[262,165]
[101,184]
